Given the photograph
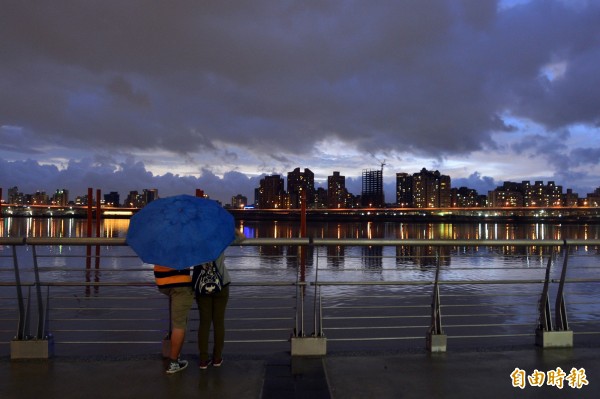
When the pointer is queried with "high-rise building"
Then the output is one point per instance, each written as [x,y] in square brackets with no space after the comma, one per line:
[465,197]
[112,199]
[320,198]
[239,201]
[431,190]
[510,194]
[134,200]
[150,194]
[271,194]
[337,194]
[15,197]
[39,198]
[404,190]
[593,199]
[571,198]
[527,195]
[61,197]
[540,194]
[372,195]
[299,182]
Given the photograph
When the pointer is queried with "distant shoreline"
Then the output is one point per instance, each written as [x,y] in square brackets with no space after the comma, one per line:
[409,218]
[558,215]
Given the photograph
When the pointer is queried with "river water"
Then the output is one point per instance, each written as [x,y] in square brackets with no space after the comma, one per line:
[74,227]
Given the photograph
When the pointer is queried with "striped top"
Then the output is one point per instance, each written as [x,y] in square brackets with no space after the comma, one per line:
[167,277]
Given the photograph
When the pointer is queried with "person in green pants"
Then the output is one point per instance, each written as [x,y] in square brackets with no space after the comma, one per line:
[212,312]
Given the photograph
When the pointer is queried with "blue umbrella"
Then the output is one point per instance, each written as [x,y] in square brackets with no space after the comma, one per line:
[180,231]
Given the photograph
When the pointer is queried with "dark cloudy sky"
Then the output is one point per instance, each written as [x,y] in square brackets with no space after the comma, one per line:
[178,95]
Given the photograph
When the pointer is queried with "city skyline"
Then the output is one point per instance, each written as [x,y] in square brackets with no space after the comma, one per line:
[218,94]
[297,174]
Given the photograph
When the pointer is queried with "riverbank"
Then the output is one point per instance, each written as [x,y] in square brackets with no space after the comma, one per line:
[555,215]
[483,215]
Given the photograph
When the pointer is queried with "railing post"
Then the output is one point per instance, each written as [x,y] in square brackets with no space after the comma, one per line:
[316,344]
[559,335]
[561,312]
[544,306]
[436,340]
[21,324]
[41,346]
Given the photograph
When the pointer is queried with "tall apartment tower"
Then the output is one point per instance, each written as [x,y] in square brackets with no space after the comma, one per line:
[150,194]
[372,189]
[271,194]
[61,197]
[510,194]
[239,201]
[15,197]
[431,190]
[337,194]
[112,198]
[297,182]
[404,190]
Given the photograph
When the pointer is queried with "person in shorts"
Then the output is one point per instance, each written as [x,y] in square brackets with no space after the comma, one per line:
[177,285]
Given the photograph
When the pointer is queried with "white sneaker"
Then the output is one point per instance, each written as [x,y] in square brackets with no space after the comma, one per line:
[176,366]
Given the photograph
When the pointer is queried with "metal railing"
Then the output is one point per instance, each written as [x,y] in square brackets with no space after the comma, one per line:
[516,312]
[65,296]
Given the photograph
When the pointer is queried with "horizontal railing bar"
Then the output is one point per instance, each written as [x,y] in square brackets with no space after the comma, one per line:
[312,241]
[75,241]
[375,317]
[376,307]
[489,314]
[152,284]
[446,282]
[12,241]
[438,242]
[450,326]
[98,284]
[425,326]
[255,341]
[256,329]
[105,319]
[84,256]
[373,339]
[103,298]
[106,330]
[104,342]
[260,308]
[374,328]
[58,308]
[483,294]
[490,336]
[260,318]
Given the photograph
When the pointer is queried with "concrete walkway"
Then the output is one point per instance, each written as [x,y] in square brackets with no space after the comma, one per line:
[399,375]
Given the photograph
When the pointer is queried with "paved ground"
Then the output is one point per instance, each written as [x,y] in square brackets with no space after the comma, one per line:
[469,374]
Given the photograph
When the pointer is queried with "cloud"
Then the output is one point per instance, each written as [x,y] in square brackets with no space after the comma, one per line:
[106,175]
[482,184]
[236,83]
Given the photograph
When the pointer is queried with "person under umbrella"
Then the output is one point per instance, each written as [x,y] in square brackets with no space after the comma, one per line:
[175,234]
[177,285]
[212,304]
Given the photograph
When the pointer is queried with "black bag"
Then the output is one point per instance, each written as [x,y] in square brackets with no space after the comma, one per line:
[207,279]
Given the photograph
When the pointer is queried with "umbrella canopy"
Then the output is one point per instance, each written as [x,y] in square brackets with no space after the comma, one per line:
[180,231]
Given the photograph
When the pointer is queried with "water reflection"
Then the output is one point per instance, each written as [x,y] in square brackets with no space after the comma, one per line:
[371,257]
[69,227]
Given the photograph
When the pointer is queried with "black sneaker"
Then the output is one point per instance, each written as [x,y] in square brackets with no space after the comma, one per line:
[176,366]
[203,365]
